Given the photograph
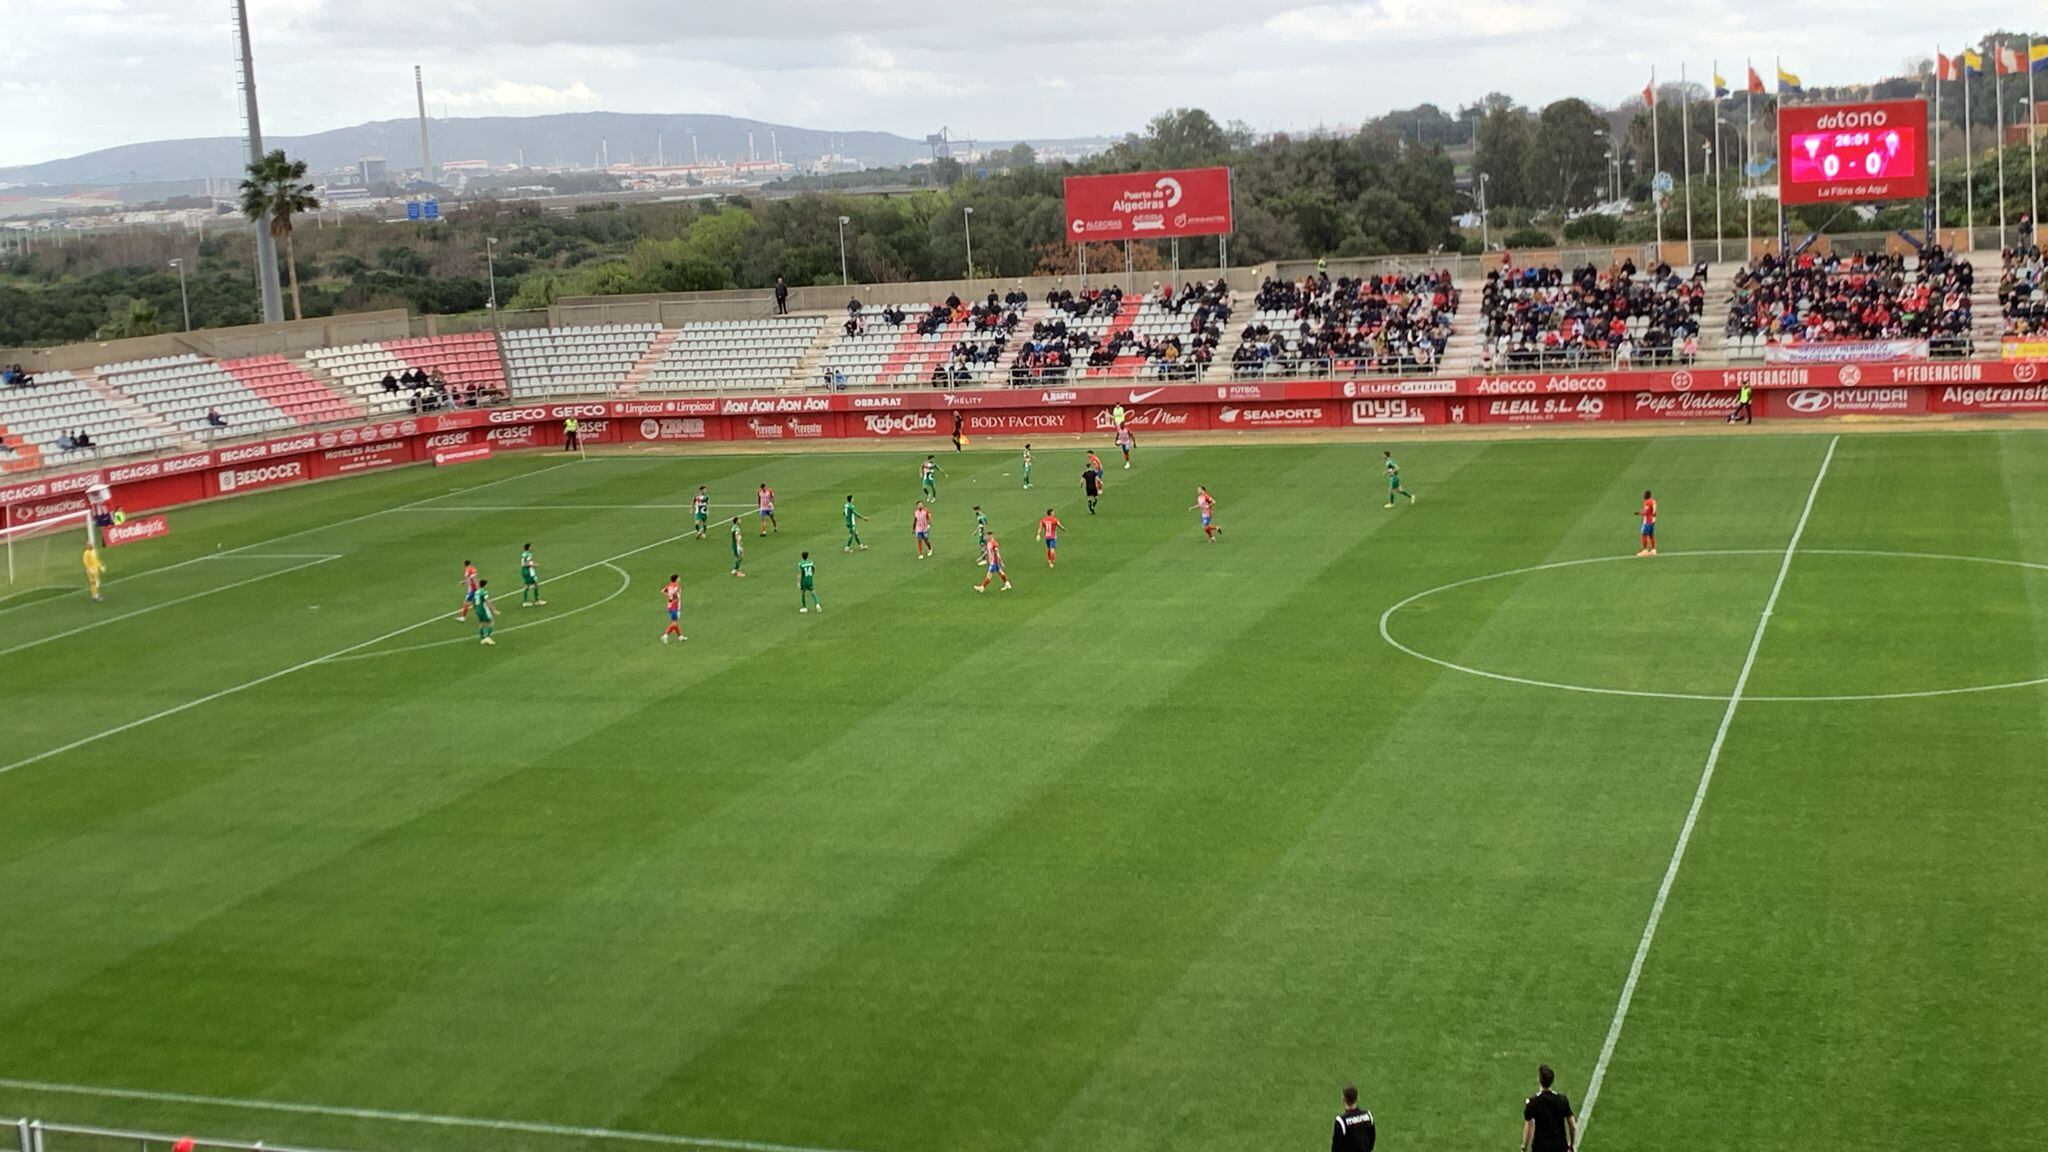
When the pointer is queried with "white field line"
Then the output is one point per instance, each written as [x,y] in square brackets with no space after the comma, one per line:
[437,618]
[625,582]
[130,615]
[293,535]
[422,1118]
[1699,799]
[563,507]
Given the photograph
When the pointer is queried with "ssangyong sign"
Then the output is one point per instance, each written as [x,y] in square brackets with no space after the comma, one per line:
[1149,205]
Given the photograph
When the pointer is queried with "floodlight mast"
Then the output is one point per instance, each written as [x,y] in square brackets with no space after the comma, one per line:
[252,132]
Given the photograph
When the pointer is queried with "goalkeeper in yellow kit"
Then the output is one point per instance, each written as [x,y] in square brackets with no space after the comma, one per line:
[94,570]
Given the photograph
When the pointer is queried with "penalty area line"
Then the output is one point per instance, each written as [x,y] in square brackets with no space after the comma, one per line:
[1699,799]
[301,666]
[530,1127]
[304,563]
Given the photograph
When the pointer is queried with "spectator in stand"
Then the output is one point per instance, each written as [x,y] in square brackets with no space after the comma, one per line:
[67,442]
[2023,294]
[853,307]
[1812,298]
[84,439]
[390,384]
[1368,324]
[1536,317]
[13,377]
[781,297]
[214,419]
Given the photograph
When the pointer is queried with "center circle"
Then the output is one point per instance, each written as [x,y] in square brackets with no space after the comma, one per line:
[1715,628]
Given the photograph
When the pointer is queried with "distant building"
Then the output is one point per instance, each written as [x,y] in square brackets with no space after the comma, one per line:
[372,170]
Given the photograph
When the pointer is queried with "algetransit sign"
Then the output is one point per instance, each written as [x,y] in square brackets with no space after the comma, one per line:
[1853,153]
[1149,205]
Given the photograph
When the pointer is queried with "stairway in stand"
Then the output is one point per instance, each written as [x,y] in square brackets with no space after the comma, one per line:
[135,410]
[638,373]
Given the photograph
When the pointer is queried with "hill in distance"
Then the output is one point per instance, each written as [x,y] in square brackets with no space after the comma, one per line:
[570,138]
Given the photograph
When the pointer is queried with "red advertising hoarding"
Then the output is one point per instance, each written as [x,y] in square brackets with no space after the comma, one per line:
[1149,205]
[1853,153]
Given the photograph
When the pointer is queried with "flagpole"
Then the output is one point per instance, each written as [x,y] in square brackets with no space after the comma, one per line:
[1778,69]
[1934,169]
[1720,162]
[1685,153]
[1969,163]
[1656,166]
[1748,161]
[2033,145]
[1998,141]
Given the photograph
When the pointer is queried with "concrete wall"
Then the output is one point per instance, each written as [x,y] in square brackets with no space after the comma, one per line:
[289,339]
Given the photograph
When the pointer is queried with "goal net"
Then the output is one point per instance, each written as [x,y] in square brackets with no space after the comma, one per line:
[46,555]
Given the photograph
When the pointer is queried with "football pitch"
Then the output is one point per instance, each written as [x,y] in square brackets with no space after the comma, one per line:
[1158,848]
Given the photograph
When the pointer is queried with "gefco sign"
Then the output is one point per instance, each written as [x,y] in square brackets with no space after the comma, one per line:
[1149,205]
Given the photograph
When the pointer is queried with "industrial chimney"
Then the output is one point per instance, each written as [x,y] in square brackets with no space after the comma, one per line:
[419,91]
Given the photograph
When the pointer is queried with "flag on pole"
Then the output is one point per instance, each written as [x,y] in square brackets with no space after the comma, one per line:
[1650,93]
[1788,82]
[2037,58]
[1973,62]
[1756,83]
[1947,67]
[1720,87]
[2008,61]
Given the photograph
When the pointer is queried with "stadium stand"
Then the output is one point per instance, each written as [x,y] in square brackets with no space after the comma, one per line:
[2023,294]
[588,360]
[38,422]
[291,390]
[1374,323]
[467,366]
[1172,335]
[197,396]
[1854,297]
[747,354]
[1543,317]
[953,342]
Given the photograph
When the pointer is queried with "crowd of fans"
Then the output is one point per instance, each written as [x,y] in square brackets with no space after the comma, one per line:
[1387,323]
[1547,318]
[2023,293]
[987,325]
[430,391]
[1859,296]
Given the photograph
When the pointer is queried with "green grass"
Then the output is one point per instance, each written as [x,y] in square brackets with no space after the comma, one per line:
[1164,845]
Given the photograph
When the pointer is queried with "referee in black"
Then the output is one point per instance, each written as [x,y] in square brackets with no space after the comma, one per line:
[1547,1121]
[1354,1131]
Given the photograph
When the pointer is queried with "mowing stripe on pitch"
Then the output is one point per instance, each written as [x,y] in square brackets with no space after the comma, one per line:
[293,535]
[1699,798]
[424,1118]
[304,564]
[437,618]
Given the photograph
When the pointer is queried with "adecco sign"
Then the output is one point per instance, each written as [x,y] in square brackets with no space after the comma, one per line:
[1149,205]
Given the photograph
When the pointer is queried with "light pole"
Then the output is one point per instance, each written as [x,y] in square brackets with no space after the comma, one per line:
[967,222]
[183,299]
[1483,247]
[843,222]
[1718,255]
[491,272]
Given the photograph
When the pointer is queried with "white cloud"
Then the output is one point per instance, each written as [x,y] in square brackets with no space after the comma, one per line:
[507,97]
[1386,20]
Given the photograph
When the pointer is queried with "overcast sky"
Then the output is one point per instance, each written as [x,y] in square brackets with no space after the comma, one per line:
[76,75]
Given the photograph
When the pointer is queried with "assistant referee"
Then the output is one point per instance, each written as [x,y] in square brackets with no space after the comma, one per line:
[1547,1121]
[1354,1131]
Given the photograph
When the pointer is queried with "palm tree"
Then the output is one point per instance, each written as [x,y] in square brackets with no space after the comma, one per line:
[277,190]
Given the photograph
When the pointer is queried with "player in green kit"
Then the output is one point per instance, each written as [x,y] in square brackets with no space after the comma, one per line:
[980,533]
[529,580]
[1394,481]
[739,551]
[484,615]
[807,585]
[1027,467]
[700,512]
[853,519]
[930,476]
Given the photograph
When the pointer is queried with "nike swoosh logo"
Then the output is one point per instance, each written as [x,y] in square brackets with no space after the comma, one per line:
[1141,397]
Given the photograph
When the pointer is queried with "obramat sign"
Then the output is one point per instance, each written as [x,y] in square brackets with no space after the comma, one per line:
[1149,205]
